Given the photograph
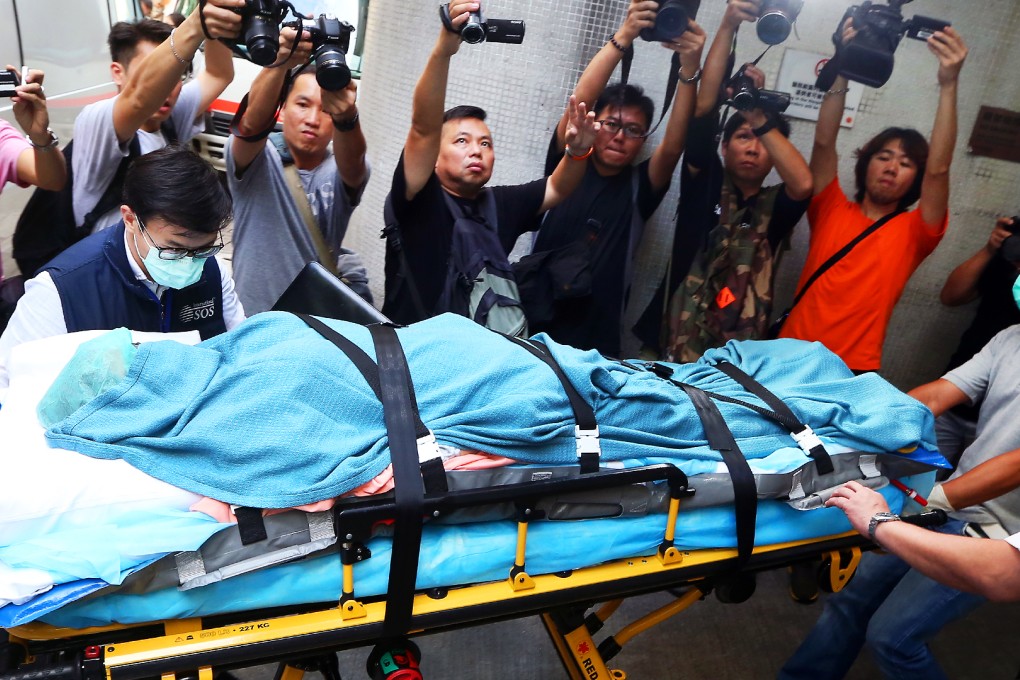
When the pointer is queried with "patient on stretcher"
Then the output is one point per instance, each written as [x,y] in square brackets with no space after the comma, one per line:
[271,415]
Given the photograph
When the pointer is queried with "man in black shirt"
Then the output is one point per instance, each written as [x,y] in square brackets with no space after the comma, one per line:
[717,199]
[989,274]
[450,157]
[617,196]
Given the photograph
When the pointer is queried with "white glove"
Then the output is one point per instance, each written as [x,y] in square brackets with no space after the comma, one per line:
[937,499]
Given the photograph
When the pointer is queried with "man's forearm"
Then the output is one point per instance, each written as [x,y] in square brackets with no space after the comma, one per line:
[349,150]
[790,165]
[991,479]
[961,285]
[430,93]
[988,567]
[263,99]
[714,71]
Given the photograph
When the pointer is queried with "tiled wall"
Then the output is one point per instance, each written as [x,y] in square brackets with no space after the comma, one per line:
[524,88]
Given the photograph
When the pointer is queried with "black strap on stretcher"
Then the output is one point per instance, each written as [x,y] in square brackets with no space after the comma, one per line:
[400,411]
[586,429]
[802,433]
[745,492]
[435,478]
[390,380]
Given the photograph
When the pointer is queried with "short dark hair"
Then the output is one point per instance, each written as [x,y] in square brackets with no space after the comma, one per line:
[915,146]
[737,119]
[125,36]
[176,185]
[464,111]
[625,94]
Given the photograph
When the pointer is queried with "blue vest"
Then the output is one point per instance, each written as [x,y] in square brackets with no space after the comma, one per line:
[99,291]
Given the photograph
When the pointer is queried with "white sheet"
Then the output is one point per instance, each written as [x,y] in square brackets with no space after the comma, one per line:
[43,491]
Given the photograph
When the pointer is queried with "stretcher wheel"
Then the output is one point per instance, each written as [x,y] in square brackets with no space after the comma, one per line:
[834,575]
[736,589]
[805,581]
[397,660]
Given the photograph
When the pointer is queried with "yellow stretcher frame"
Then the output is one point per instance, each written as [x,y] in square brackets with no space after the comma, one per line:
[196,647]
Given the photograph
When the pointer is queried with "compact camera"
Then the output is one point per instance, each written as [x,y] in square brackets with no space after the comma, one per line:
[868,57]
[478,28]
[671,20]
[8,81]
[746,96]
[331,40]
[775,20]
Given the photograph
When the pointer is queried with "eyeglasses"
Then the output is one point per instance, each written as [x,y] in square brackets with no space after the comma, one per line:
[614,125]
[180,253]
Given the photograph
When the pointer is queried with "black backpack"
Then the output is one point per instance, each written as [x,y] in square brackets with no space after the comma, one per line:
[479,281]
[47,226]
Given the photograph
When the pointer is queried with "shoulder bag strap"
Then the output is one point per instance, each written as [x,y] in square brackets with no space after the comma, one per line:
[391,232]
[828,264]
[297,191]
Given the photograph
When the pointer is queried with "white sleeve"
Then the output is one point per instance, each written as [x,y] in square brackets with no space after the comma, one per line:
[233,311]
[1014,541]
[39,314]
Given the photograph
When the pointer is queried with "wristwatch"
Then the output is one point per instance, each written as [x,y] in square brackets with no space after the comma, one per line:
[879,518]
[54,140]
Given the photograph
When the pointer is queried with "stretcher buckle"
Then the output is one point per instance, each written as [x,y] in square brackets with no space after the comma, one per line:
[807,440]
[587,441]
[428,447]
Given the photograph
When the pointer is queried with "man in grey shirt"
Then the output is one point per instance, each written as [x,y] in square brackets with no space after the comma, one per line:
[272,239]
[894,608]
[150,62]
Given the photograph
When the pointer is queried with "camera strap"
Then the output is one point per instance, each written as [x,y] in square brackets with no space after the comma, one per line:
[843,252]
[671,82]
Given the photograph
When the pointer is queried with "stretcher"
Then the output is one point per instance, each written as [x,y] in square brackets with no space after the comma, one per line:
[525,542]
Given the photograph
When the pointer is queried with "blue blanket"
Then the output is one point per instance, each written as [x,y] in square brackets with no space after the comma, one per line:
[273,415]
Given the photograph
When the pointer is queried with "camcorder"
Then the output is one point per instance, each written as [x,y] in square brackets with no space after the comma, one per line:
[1010,248]
[670,20]
[776,18]
[8,81]
[868,57]
[746,96]
[479,29]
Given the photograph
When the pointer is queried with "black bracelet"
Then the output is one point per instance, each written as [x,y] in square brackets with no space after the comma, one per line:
[346,125]
[612,41]
[766,127]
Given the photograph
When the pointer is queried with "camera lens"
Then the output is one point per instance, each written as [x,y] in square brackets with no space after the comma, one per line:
[331,71]
[262,38]
[473,32]
[774,27]
[670,21]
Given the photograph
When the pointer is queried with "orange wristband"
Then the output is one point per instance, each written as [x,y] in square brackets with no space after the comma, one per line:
[570,154]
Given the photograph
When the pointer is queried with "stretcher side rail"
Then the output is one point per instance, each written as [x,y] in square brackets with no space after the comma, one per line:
[244,640]
[354,521]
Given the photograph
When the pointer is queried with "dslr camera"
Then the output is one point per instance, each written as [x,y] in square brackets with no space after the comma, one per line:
[478,28]
[670,20]
[331,40]
[747,97]
[260,28]
[1010,248]
[775,20]
[868,58]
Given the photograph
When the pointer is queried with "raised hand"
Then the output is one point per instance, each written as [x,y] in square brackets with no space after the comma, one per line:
[951,51]
[581,127]
[30,107]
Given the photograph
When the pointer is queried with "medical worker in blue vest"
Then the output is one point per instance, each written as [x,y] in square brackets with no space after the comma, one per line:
[153,271]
